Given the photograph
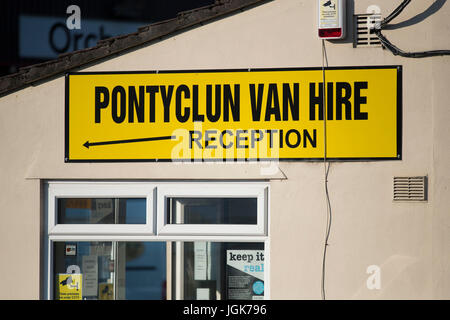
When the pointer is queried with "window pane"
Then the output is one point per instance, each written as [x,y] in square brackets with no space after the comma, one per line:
[101,211]
[109,270]
[212,210]
[145,270]
[218,271]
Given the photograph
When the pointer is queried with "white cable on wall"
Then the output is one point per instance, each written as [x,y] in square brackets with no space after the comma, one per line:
[326,170]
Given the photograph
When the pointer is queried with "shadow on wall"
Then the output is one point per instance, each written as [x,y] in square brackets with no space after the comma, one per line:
[350,11]
[435,7]
[432,9]
[396,272]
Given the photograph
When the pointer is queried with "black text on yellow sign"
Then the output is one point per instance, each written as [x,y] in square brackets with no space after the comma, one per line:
[229,115]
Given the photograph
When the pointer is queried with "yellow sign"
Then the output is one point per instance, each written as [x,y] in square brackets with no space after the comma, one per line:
[228,115]
[105,291]
[69,286]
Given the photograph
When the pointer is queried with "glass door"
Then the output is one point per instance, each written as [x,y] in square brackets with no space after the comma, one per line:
[205,270]
[109,270]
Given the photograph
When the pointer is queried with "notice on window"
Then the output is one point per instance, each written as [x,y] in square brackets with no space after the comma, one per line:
[202,254]
[90,275]
[69,286]
[245,274]
[103,208]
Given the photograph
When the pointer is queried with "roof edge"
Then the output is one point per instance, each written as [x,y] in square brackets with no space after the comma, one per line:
[114,45]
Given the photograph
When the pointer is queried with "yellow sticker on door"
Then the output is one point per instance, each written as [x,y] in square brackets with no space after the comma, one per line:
[69,286]
[105,291]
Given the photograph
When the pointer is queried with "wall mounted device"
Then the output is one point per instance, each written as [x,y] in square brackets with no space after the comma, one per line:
[331,23]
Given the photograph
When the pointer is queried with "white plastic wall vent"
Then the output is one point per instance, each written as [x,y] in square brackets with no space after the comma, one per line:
[410,188]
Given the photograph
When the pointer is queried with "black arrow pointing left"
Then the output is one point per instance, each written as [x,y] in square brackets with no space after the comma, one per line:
[88,144]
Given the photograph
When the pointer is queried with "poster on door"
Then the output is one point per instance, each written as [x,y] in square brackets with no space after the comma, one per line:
[69,286]
[245,274]
[90,275]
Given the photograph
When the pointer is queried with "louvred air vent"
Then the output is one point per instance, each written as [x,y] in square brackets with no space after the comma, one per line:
[410,188]
[363,36]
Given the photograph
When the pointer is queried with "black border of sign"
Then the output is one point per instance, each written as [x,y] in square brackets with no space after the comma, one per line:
[399,69]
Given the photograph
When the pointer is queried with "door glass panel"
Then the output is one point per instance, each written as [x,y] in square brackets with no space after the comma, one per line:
[145,270]
[212,210]
[217,271]
[109,270]
[101,211]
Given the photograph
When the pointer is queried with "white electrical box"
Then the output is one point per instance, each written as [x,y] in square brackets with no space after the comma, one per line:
[331,19]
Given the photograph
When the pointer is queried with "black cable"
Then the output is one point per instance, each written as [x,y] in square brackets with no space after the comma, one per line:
[397,51]
[395,13]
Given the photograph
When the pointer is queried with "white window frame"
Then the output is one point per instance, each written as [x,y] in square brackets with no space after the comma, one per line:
[127,190]
[153,230]
[214,190]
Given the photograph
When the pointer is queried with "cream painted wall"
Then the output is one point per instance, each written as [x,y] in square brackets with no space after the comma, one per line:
[441,159]
[407,240]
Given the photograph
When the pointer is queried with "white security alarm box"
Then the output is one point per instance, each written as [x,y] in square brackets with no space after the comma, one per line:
[331,19]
